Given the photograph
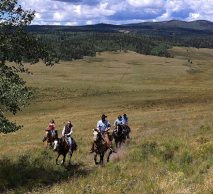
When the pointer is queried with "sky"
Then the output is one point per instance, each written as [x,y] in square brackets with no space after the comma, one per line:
[86,12]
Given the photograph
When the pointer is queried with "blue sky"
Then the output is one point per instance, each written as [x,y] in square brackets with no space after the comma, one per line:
[83,12]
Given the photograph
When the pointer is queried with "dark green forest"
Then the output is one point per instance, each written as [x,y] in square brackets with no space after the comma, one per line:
[71,43]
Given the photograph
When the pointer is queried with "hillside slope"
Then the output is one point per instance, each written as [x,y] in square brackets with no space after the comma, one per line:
[169,104]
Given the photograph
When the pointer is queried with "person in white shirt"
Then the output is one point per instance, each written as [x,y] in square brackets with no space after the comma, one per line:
[66,133]
[103,126]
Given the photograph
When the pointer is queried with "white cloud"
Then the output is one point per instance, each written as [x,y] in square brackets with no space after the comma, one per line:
[194,16]
[145,3]
[89,22]
[71,23]
[117,11]
[57,16]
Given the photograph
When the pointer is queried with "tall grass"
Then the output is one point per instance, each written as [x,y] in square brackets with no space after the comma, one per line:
[170,112]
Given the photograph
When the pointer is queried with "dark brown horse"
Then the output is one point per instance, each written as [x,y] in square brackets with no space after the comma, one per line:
[127,131]
[101,147]
[62,147]
[119,135]
[51,136]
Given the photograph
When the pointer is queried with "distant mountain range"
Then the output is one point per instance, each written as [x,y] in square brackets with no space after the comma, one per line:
[173,27]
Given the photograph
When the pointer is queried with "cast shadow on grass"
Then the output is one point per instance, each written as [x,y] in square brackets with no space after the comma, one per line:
[30,172]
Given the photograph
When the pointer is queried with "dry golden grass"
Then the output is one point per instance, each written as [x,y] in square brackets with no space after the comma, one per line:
[169,102]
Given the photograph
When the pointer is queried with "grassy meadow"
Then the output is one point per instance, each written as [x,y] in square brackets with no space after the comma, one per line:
[169,102]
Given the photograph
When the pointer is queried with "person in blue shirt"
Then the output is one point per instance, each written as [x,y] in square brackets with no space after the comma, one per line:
[125,119]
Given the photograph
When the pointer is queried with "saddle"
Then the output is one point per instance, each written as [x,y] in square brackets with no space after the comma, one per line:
[74,144]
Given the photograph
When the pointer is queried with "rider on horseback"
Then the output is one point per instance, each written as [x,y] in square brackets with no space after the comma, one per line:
[125,123]
[118,121]
[103,126]
[125,119]
[66,133]
[51,129]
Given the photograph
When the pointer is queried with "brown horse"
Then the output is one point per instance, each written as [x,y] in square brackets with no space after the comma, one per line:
[62,147]
[50,138]
[101,147]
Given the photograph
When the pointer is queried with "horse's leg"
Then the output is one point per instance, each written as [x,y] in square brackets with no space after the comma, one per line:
[70,157]
[50,145]
[109,155]
[125,138]
[120,142]
[102,158]
[127,135]
[95,158]
[63,161]
[116,143]
[57,159]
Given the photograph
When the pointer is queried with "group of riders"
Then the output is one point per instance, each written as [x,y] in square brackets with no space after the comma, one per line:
[51,131]
[103,127]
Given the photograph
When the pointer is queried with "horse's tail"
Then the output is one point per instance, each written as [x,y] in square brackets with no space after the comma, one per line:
[74,144]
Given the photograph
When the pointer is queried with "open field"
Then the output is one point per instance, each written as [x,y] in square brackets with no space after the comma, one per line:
[169,102]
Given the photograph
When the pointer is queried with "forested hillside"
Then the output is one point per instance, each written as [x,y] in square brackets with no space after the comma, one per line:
[74,42]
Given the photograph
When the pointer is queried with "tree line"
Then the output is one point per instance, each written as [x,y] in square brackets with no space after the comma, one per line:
[75,45]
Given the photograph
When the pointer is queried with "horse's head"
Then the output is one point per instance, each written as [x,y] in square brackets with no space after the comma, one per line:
[119,129]
[95,135]
[56,144]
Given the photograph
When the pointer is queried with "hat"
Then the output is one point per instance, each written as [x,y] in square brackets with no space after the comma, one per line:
[103,116]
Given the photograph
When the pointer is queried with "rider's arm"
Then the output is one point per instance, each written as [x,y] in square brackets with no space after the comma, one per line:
[98,127]
[126,121]
[48,128]
[108,126]
[63,131]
